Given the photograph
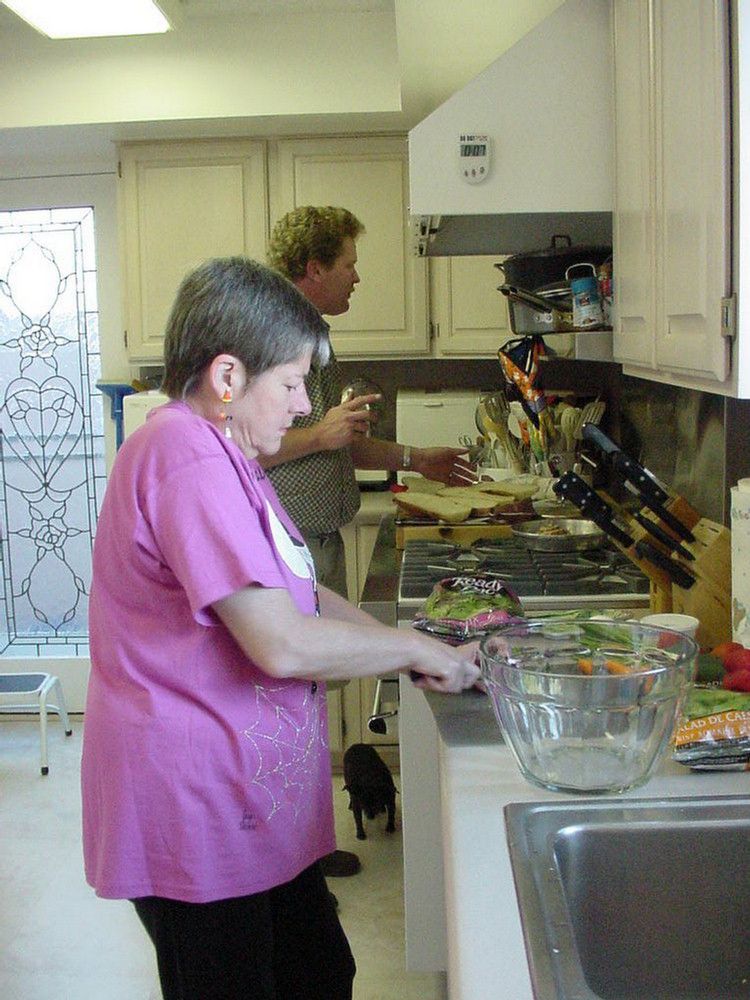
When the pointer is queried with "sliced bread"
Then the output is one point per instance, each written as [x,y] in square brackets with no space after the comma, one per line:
[434,506]
[421,485]
[519,489]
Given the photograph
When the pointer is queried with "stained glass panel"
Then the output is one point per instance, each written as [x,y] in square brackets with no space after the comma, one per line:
[52,460]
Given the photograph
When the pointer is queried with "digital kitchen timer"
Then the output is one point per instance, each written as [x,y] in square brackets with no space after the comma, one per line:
[474,158]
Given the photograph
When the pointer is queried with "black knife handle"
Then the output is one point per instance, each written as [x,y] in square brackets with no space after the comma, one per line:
[592,433]
[573,488]
[641,478]
[663,536]
[675,572]
[669,519]
[627,467]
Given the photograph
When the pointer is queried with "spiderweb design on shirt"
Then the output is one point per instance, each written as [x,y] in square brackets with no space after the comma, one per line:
[287,743]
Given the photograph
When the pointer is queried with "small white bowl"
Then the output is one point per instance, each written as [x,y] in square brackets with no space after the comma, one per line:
[686,624]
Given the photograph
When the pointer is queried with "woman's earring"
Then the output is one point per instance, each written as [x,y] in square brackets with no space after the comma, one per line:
[226,400]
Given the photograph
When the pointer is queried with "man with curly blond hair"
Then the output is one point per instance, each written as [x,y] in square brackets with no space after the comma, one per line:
[313,471]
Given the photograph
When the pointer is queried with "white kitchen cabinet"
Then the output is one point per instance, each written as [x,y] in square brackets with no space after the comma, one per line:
[672,224]
[469,316]
[388,315]
[179,204]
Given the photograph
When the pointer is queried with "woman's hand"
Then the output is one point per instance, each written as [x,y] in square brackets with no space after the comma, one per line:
[446,669]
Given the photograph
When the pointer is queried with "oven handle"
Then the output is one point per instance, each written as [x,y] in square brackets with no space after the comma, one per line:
[376,722]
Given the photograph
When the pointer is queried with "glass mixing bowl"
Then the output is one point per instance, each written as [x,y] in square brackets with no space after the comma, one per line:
[588,706]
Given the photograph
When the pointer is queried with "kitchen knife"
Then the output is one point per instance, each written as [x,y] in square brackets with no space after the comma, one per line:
[638,480]
[663,536]
[573,488]
[675,572]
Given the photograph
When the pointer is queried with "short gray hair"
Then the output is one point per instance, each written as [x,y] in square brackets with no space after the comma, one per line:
[234,305]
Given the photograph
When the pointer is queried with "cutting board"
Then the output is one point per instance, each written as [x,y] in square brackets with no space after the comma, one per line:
[465,533]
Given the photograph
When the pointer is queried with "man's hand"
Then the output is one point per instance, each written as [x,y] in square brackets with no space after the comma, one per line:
[444,465]
[339,426]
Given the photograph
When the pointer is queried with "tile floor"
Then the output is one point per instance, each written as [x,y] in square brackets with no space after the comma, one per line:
[58,940]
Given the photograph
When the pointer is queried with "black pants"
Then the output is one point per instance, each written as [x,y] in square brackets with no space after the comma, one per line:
[284,944]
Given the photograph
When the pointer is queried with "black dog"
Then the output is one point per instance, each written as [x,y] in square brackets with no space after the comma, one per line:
[370,786]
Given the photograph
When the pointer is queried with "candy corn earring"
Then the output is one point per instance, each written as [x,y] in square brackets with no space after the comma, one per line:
[224,415]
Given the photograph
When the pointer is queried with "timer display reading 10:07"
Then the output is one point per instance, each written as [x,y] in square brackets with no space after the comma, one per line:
[473,157]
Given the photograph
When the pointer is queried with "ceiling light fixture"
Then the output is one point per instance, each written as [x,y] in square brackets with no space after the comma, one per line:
[95,18]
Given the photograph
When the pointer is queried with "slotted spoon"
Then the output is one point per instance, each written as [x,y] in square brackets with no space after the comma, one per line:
[592,413]
[569,421]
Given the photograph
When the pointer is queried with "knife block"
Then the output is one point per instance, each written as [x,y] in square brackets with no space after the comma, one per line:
[709,598]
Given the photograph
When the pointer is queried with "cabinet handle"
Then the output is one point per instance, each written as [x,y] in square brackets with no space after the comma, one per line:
[729,317]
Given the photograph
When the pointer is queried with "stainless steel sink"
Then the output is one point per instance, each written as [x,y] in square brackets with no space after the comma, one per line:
[639,899]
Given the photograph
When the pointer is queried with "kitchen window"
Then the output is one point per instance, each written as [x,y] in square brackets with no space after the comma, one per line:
[52,456]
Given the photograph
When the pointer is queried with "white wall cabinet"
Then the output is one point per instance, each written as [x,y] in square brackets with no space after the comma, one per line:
[469,316]
[179,204]
[369,176]
[182,202]
[672,223]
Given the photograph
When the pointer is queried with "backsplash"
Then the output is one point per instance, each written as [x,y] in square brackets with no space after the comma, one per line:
[696,442]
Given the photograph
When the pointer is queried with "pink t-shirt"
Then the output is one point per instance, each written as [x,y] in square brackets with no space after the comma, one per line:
[203,778]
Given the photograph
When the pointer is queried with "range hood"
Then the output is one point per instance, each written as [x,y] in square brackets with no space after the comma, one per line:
[543,114]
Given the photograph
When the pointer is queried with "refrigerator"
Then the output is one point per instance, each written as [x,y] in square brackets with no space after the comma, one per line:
[136,406]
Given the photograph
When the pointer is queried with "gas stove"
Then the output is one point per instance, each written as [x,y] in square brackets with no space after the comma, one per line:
[544,581]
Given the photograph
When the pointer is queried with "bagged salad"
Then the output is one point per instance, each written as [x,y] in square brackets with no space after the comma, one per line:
[468,606]
[715,730]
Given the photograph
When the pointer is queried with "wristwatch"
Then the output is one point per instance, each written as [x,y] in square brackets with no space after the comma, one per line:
[406,458]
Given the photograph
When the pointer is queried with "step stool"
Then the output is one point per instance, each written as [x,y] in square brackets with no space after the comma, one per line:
[36,687]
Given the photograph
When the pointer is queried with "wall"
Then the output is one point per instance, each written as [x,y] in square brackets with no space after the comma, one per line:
[214,67]
[696,442]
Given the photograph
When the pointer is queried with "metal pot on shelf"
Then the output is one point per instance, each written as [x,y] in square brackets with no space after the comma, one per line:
[537,268]
[547,310]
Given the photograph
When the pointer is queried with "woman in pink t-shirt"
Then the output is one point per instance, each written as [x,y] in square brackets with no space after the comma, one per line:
[206,773]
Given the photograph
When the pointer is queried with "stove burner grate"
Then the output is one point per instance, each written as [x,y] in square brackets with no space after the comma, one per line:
[601,572]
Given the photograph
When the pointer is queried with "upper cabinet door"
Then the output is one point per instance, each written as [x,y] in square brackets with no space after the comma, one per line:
[691,83]
[180,204]
[469,314]
[388,312]
[672,224]
[634,215]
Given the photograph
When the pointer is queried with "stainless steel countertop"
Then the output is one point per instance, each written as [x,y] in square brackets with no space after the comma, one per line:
[380,593]
[462,720]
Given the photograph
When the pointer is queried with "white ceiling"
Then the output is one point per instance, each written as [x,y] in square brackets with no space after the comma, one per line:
[436,46]
[221,8]
[203,7]
[192,10]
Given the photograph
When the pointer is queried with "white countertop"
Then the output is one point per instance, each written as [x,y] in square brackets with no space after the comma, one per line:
[373,504]
[486,954]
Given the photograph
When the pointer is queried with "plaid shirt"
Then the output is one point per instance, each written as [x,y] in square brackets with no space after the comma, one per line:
[319,491]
